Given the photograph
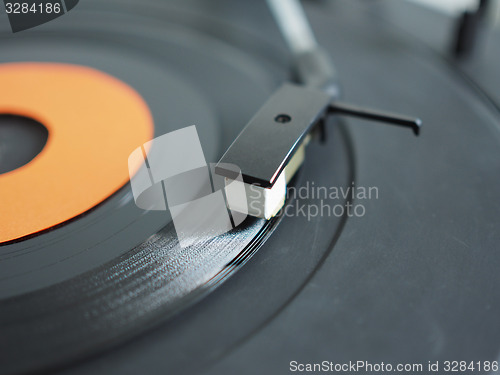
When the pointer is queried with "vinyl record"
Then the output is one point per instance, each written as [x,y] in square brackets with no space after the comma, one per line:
[115,270]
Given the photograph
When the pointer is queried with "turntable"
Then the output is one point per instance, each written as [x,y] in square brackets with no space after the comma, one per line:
[374,245]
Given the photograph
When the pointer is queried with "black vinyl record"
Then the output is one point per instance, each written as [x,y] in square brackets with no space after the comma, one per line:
[116,270]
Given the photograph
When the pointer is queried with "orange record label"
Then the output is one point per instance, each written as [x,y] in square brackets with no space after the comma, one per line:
[94,122]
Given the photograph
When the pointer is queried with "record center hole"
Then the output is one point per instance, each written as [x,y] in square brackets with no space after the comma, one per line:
[283,118]
[21,140]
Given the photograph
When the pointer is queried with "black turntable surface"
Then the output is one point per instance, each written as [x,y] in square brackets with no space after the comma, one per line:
[412,280]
